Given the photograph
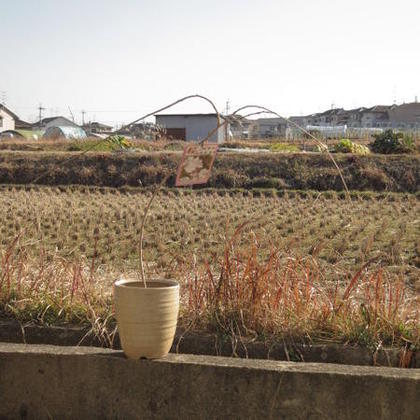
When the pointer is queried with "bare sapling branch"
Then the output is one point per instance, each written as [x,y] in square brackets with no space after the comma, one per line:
[165,179]
[220,124]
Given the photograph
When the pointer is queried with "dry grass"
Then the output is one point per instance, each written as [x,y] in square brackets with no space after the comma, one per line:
[310,171]
[304,265]
[284,296]
[240,293]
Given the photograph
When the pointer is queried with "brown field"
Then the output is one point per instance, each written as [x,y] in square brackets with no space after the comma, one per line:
[298,263]
[72,222]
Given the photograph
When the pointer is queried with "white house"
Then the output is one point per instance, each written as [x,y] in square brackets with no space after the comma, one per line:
[192,127]
[7,119]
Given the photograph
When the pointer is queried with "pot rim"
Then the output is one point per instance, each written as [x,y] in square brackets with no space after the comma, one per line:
[168,284]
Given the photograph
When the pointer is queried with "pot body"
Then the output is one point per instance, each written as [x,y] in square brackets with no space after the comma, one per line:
[146,317]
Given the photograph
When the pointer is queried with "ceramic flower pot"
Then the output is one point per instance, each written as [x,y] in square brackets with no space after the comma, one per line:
[146,317]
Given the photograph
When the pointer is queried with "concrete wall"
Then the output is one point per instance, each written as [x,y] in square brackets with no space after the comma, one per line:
[197,127]
[77,382]
[7,122]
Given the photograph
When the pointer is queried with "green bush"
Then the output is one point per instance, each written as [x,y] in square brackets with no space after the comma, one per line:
[344,146]
[347,146]
[390,142]
[110,144]
[119,141]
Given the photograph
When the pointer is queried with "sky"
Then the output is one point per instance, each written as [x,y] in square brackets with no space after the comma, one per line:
[118,60]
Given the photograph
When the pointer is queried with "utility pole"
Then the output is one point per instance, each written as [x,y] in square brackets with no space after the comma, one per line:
[40,109]
[227,124]
[3,97]
[83,117]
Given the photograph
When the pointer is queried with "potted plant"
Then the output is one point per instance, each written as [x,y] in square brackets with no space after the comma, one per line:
[147,310]
[147,315]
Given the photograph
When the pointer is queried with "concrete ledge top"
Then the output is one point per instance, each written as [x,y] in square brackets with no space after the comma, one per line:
[45,381]
[8,349]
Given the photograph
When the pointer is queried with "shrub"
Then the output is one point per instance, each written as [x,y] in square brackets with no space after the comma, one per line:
[347,146]
[390,142]
[110,144]
[119,141]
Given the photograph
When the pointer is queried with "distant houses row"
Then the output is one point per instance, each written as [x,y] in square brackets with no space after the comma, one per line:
[405,117]
[401,117]
[336,122]
[195,127]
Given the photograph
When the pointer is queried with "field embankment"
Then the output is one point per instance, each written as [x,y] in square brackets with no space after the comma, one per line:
[400,173]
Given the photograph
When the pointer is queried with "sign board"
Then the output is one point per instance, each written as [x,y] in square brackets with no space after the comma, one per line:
[196,164]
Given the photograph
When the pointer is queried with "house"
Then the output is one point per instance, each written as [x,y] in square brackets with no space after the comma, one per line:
[405,116]
[353,117]
[326,118]
[95,127]
[269,127]
[192,127]
[376,117]
[12,127]
[300,121]
[141,130]
[7,119]
[58,121]
[23,125]
[241,127]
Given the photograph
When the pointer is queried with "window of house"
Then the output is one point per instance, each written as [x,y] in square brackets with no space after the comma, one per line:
[1,121]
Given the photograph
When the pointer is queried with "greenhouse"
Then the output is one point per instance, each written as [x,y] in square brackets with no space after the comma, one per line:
[65,132]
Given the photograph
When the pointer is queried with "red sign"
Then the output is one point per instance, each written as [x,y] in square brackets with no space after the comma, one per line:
[196,164]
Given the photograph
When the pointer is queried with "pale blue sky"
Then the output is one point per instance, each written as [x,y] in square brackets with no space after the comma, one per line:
[119,59]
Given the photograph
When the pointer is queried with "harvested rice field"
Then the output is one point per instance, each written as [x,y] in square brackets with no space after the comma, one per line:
[105,224]
[250,263]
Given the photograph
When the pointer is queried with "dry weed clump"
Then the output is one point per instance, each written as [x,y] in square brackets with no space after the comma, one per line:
[241,292]
[50,290]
